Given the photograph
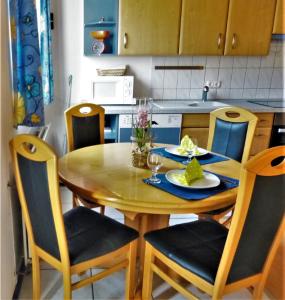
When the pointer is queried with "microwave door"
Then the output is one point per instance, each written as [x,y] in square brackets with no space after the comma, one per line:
[107,92]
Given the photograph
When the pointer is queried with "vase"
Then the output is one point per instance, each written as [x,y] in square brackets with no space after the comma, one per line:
[140,150]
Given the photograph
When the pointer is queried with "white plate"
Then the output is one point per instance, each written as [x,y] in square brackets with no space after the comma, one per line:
[208,181]
[173,150]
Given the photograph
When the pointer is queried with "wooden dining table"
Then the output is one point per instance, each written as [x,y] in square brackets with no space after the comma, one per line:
[104,174]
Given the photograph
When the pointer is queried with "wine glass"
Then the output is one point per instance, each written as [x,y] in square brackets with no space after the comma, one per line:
[192,152]
[154,162]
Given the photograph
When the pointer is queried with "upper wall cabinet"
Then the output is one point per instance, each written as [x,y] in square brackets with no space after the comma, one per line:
[203,27]
[249,27]
[279,20]
[149,27]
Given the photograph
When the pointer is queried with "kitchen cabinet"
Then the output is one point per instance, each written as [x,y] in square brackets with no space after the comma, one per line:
[149,27]
[203,27]
[197,125]
[279,19]
[249,27]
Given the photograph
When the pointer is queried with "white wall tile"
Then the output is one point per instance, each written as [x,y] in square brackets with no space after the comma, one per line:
[277,79]
[253,61]
[185,61]
[226,61]
[157,78]
[251,78]
[223,94]
[238,77]
[240,62]
[199,60]
[157,93]
[183,94]
[197,78]
[169,94]
[236,93]
[249,94]
[264,79]
[213,61]
[279,59]
[211,74]
[262,94]
[170,79]
[184,79]
[276,94]
[158,61]
[196,94]
[212,94]
[268,61]
[171,61]
[225,76]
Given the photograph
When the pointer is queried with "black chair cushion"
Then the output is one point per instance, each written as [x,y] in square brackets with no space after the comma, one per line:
[91,234]
[196,246]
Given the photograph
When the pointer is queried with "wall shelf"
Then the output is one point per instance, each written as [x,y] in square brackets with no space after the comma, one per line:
[99,24]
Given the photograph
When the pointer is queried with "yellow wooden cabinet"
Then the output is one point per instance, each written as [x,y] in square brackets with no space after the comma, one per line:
[279,20]
[249,27]
[149,27]
[203,27]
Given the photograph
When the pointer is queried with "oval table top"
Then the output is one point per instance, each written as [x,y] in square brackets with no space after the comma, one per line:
[104,174]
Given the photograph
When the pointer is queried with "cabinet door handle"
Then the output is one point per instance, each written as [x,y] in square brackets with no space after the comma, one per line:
[234,41]
[125,40]
[219,41]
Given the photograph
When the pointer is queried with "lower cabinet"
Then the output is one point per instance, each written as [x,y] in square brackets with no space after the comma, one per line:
[197,125]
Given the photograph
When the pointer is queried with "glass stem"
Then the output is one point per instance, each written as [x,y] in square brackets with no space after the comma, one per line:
[154,175]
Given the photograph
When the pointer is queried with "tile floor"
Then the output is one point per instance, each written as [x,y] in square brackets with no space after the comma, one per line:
[111,287]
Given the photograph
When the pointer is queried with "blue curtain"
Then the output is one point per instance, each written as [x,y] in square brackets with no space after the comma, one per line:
[30,63]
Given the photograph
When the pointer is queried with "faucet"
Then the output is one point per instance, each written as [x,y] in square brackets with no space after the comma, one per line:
[205,93]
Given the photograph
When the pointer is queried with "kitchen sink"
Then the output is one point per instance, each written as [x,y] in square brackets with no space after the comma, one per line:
[188,104]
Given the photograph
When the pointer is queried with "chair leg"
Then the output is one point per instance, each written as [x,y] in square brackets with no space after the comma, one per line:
[36,277]
[148,273]
[131,271]
[102,210]
[66,285]
[258,290]
[75,201]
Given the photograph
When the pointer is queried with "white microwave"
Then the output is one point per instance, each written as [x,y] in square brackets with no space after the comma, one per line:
[113,90]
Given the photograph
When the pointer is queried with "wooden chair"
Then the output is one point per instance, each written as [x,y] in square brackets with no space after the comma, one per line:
[85,127]
[231,133]
[74,242]
[220,261]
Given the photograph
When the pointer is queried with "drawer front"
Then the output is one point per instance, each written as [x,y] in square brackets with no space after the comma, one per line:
[265,119]
[201,134]
[195,120]
[260,141]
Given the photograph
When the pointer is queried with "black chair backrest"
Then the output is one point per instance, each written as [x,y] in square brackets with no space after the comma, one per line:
[86,131]
[34,179]
[229,138]
[265,213]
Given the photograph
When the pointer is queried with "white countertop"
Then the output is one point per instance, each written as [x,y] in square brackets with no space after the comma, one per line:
[177,106]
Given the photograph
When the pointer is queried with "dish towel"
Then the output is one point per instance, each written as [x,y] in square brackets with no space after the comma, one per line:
[208,158]
[194,194]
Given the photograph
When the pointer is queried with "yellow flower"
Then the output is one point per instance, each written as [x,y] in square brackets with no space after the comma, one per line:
[13,29]
[35,118]
[19,109]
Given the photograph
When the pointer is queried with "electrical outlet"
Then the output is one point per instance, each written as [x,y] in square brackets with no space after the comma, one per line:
[213,84]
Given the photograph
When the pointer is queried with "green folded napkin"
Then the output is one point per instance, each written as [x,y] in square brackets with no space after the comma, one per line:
[186,145]
[193,171]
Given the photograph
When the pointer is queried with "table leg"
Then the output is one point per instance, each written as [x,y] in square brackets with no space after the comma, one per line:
[144,223]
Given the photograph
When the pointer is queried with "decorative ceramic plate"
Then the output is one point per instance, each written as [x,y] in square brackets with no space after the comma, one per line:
[98,47]
[173,150]
[208,181]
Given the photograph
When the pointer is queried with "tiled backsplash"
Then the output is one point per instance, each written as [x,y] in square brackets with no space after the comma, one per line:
[252,77]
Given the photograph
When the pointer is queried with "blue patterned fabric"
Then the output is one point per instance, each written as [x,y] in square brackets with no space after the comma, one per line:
[46,51]
[194,194]
[208,158]
[28,65]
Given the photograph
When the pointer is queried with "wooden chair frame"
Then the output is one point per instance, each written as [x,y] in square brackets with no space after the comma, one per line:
[259,165]
[44,153]
[234,115]
[75,111]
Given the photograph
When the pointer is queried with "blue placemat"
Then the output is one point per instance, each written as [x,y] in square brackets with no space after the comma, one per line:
[208,158]
[193,194]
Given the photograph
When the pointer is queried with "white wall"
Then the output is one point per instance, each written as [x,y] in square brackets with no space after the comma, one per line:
[8,278]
